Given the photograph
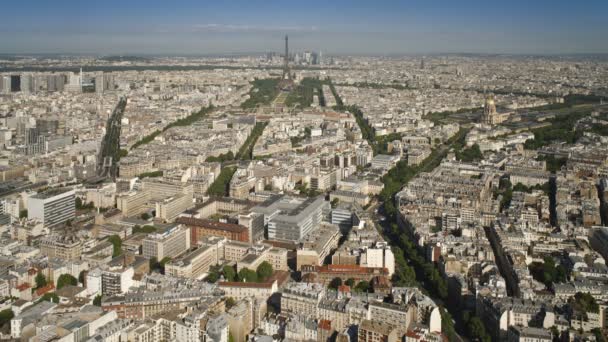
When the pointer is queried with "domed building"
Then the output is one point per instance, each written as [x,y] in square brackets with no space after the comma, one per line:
[490,115]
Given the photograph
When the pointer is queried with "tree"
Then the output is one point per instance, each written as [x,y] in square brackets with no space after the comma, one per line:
[82,277]
[447,325]
[597,332]
[547,273]
[80,205]
[335,283]
[362,286]
[145,216]
[117,242]
[220,187]
[476,329]
[66,279]
[153,263]
[248,275]
[470,154]
[50,297]
[230,302]
[40,280]
[6,316]
[123,153]
[229,273]
[350,282]
[212,277]
[97,300]
[162,264]
[264,271]
[147,229]
[584,302]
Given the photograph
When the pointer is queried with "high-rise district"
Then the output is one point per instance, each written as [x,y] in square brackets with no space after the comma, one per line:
[303,196]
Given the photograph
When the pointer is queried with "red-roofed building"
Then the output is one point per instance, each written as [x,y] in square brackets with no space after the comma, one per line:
[200,228]
[344,289]
[45,289]
[381,284]
[22,291]
[324,330]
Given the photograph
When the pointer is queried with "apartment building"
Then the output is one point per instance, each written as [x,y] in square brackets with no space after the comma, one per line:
[61,247]
[302,298]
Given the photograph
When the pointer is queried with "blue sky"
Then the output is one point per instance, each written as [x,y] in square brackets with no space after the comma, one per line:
[333,26]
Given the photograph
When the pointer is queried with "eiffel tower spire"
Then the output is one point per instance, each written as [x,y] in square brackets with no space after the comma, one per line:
[286,71]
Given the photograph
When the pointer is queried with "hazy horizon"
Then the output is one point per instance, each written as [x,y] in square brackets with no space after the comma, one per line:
[195,28]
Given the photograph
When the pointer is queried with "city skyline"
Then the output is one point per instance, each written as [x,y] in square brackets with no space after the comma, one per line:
[338,28]
[340,171]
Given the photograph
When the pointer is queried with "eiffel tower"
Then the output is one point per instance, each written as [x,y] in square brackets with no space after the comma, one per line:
[287,79]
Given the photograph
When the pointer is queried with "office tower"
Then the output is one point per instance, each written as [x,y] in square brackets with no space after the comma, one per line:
[6,84]
[196,263]
[422,63]
[27,83]
[74,83]
[15,83]
[108,82]
[170,243]
[55,83]
[170,208]
[99,83]
[133,203]
[308,57]
[292,218]
[53,207]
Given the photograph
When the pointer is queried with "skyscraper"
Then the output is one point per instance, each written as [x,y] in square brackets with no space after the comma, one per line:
[55,83]
[27,83]
[99,83]
[6,84]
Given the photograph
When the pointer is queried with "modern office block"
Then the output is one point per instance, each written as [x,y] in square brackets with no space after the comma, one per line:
[53,207]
